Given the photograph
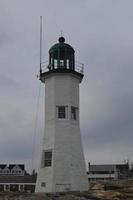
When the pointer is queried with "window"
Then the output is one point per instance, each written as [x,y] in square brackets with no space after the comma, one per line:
[61,63]
[74,112]
[67,63]
[7,187]
[46,159]
[62,112]
[55,64]
[21,187]
[43,184]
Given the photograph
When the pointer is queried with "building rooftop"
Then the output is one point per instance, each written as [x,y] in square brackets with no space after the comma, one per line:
[18,179]
[101,167]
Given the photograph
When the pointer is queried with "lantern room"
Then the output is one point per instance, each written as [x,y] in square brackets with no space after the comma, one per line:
[61,56]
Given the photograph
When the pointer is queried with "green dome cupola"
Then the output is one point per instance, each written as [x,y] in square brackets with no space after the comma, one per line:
[61,56]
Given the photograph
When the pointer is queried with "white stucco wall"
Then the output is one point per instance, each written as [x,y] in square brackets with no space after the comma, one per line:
[62,136]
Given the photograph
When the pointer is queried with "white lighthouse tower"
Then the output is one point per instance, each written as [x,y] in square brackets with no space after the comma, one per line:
[62,164]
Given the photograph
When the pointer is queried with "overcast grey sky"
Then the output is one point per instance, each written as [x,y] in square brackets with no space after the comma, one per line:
[101,32]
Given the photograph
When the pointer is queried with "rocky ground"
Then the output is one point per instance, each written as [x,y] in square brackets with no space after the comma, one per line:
[95,195]
[97,192]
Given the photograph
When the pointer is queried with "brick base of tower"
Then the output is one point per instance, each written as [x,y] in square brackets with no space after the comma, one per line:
[62,136]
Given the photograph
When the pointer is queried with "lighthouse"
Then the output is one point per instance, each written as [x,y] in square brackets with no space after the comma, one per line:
[62,166]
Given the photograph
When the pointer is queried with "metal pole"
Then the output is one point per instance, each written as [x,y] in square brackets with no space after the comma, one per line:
[40,44]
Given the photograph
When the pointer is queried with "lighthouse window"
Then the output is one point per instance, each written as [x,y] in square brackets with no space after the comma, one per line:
[62,112]
[74,112]
[67,63]
[55,64]
[46,159]
[61,63]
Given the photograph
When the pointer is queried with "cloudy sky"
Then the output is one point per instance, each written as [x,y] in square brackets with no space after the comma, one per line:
[101,32]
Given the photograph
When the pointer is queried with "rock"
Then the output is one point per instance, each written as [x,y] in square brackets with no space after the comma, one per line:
[96,185]
[107,195]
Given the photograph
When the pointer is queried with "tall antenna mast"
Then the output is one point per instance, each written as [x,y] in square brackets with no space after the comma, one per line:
[40,44]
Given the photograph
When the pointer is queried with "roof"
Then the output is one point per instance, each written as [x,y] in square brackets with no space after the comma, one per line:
[18,179]
[61,45]
[3,166]
[107,167]
[20,165]
[101,168]
[123,166]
